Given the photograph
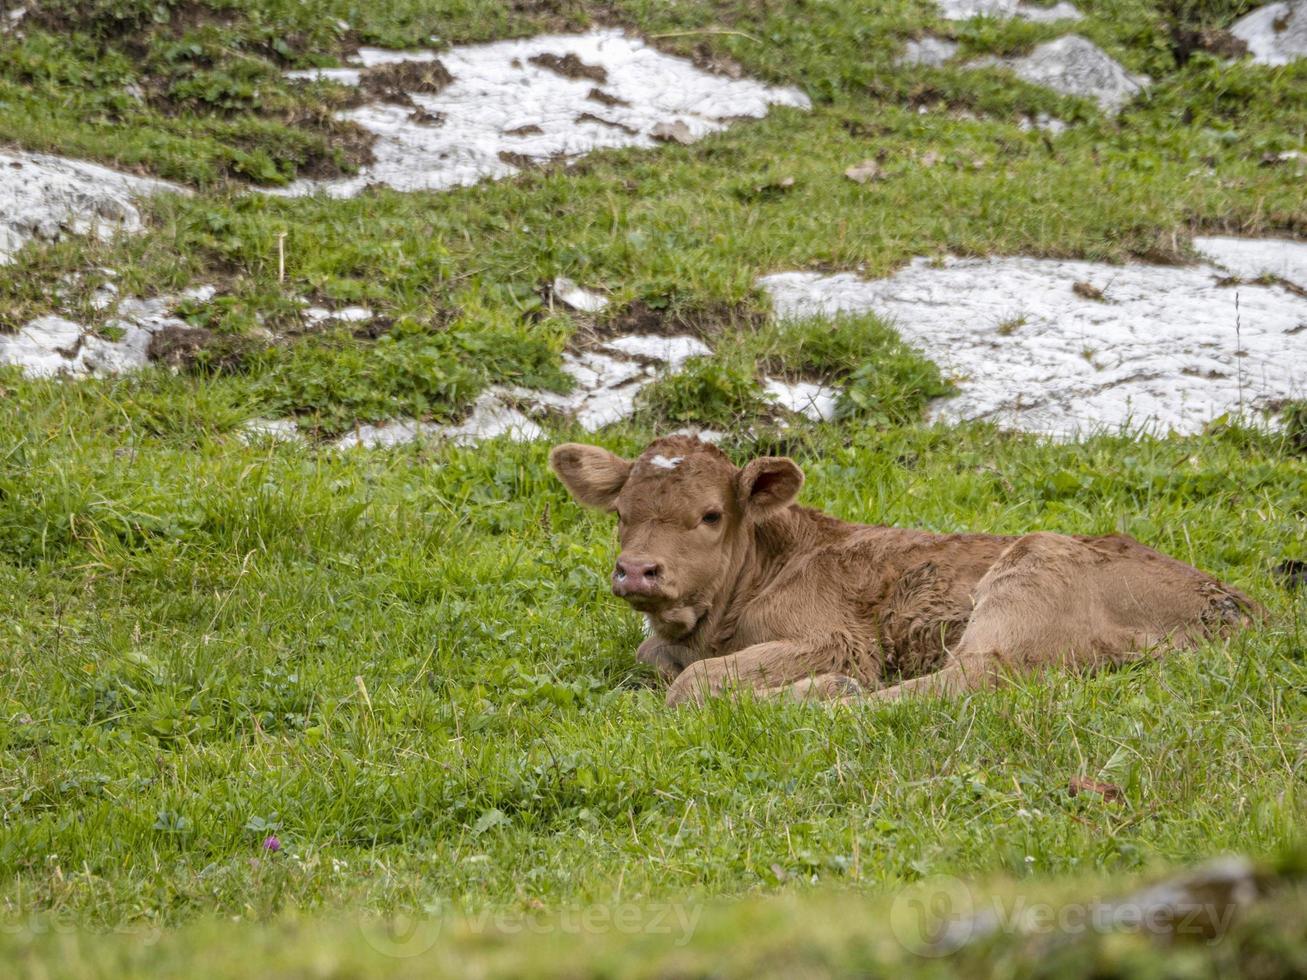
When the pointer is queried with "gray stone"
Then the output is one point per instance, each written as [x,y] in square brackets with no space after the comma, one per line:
[1275,34]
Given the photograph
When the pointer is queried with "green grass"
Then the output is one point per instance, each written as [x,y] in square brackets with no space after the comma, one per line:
[406,664]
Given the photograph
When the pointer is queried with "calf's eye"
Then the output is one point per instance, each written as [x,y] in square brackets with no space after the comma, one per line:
[712,517]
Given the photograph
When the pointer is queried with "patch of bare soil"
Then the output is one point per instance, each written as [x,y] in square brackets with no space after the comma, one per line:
[196,350]
[670,319]
[1214,40]
[603,98]
[591,117]
[394,82]
[570,66]
[714,62]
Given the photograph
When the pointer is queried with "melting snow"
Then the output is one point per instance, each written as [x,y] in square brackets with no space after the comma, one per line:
[46,196]
[53,345]
[278,430]
[1166,346]
[1251,258]
[1007,9]
[501,110]
[815,401]
[1275,34]
[570,294]
[606,382]
[673,351]
[490,418]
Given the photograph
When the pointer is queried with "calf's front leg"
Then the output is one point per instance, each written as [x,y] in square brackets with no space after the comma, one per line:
[668,659]
[762,668]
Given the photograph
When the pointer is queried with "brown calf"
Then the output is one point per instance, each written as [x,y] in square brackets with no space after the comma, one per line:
[741,586]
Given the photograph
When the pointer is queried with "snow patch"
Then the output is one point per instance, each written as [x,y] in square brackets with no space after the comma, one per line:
[53,345]
[582,300]
[48,196]
[1006,10]
[276,430]
[672,351]
[501,110]
[1275,34]
[490,418]
[1165,346]
[1252,258]
[316,315]
[816,401]
[606,382]
[713,436]
[1072,65]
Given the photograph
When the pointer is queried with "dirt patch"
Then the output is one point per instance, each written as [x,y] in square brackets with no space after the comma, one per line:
[117,20]
[377,327]
[196,350]
[1214,40]
[603,98]
[395,82]
[1087,290]
[422,117]
[666,318]
[569,66]
[591,117]
[706,59]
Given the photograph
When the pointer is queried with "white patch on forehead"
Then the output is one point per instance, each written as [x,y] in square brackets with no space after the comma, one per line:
[663,463]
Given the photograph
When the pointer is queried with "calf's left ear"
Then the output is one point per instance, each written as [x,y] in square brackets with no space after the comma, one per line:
[768,484]
[592,475]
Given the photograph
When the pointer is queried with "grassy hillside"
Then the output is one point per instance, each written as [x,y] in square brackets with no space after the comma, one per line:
[405,665]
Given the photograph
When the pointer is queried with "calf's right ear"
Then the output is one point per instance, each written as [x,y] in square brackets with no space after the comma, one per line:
[592,475]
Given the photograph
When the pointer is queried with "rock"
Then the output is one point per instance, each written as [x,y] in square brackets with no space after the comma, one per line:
[1006,10]
[673,132]
[1275,34]
[929,51]
[865,172]
[1073,65]
[46,196]
[199,294]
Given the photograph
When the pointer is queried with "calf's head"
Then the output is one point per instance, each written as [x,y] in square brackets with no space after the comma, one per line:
[685,516]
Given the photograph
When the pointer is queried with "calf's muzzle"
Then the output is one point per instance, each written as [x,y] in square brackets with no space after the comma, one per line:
[635,576]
